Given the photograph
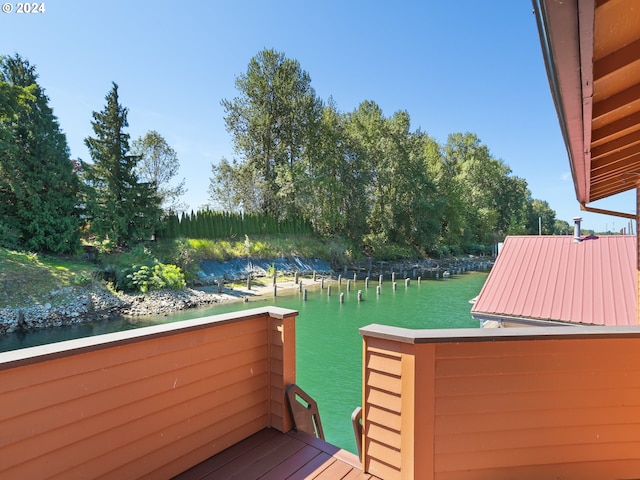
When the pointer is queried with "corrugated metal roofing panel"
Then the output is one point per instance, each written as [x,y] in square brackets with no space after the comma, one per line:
[554,278]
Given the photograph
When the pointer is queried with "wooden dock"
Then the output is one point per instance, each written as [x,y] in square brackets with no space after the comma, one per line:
[272,455]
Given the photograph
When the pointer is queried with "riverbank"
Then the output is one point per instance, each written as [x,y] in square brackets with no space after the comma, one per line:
[82,305]
[76,305]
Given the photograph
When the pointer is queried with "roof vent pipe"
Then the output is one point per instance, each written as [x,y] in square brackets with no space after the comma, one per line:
[576,229]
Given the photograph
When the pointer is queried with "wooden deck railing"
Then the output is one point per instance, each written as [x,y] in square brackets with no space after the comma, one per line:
[145,403]
[530,403]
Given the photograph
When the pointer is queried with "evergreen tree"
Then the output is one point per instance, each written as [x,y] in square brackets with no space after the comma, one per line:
[38,186]
[183,230]
[121,209]
[172,225]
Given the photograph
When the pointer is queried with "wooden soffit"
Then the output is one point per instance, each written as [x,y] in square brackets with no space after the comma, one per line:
[592,54]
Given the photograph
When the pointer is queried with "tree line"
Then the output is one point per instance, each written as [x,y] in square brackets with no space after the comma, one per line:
[301,164]
[362,174]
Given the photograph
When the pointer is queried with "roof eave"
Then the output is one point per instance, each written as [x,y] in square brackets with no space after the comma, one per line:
[526,321]
[566,37]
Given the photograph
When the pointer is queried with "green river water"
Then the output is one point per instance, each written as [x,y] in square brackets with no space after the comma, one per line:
[328,345]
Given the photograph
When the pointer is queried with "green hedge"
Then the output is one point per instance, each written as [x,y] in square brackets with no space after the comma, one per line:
[213,225]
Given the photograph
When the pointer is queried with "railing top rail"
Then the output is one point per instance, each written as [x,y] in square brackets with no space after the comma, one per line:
[416,336]
[54,350]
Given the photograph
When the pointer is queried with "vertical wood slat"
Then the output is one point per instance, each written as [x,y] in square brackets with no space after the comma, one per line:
[151,405]
[283,370]
[424,382]
[375,418]
[398,409]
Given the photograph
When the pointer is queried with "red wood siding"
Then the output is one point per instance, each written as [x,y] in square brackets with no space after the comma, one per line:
[566,406]
[147,407]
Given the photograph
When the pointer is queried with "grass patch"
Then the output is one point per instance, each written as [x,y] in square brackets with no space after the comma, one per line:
[187,253]
[270,246]
[27,278]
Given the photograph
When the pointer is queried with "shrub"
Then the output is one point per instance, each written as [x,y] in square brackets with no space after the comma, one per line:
[171,276]
[440,251]
[477,249]
[150,275]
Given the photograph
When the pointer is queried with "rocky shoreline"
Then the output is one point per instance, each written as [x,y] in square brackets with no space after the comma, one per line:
[81,305]
[76,305]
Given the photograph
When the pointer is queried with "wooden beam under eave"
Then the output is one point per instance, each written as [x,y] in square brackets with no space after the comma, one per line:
[612,184]
[617,82]
[616,25]
[616,171]
[622,159]
[615,129]
[617,60]
[618,104]
[615,178]
[619,144]
[607,190]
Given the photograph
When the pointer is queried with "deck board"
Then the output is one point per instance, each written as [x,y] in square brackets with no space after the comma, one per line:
[271,455]
[306,456]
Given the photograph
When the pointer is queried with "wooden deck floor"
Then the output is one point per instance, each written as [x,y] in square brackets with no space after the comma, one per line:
[272,455]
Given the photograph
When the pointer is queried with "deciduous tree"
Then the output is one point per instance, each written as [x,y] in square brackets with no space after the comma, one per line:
[272,123]
[232,187]
[334,197]
[158,164]
[402,204]
[541,214]
[484,200]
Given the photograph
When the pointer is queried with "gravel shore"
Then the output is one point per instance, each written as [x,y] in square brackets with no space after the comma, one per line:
[71,305]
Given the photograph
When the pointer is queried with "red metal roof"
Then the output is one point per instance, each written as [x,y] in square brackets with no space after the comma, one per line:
[554,278]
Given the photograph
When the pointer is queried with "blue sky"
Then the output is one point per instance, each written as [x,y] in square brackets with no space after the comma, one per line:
[455,66]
